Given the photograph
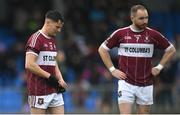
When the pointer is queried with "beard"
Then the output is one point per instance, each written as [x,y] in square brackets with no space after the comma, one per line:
[142,26]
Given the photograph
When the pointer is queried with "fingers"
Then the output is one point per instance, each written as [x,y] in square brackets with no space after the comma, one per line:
[63,84]
[123,75]
[155,71]
[119,74]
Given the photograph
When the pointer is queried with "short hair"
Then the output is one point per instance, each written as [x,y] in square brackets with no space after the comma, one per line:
[135,8]
[54,15]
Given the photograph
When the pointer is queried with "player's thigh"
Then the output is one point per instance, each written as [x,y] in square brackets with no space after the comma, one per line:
[144,95]
[125,97]
[56,110]
[37,110]
[125,108]
[143,109]
[57,105]
[126,92]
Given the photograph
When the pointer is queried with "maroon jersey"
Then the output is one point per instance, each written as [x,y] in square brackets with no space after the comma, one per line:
[44,47]
[135,51]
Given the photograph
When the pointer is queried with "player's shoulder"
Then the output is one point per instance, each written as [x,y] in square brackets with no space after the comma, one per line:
[120,30]
[34,36]
[152,30]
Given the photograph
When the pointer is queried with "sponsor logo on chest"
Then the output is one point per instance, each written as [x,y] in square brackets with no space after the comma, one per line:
[136,49]
[137,39]
[47,58]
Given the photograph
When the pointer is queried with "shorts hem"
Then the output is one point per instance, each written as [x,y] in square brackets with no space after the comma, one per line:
[124,101]
[56,105]
[144,103]
[38,107]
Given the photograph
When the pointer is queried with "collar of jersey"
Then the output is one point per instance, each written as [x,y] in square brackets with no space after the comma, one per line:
[134,30]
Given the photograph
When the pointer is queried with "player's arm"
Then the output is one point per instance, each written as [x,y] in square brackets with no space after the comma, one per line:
[59,76]
[104,54]
[32,66]
[169,53]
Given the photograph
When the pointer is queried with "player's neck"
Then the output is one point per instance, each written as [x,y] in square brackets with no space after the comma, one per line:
[44,32]
[134,28]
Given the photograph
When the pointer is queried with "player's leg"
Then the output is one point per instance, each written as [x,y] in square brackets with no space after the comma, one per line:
[37,110]
[125,108]
[57,105]
[125,97]
[56,110]
[144,99]
[143,109]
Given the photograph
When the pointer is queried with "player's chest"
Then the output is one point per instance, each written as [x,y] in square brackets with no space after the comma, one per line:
[48,46]
[137,38]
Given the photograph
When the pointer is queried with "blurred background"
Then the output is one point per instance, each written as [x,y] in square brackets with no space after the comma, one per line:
[87,24]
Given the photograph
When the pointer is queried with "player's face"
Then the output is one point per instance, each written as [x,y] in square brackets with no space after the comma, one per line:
[55,27]
[140,19]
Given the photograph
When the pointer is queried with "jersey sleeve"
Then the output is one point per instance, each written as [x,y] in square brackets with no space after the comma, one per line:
[33,44]
[112,40]
[161,41]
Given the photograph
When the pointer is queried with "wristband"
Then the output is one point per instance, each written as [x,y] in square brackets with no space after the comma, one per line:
[159,67]
[111,69]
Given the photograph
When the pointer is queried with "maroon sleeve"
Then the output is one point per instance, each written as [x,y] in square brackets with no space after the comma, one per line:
[34,43]
[113,40]
[161,41]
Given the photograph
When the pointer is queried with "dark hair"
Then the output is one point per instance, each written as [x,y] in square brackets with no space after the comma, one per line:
[54,15]
[135,8]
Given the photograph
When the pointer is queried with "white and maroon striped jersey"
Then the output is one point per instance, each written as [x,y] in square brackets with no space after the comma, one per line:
[135,51]
[45,48]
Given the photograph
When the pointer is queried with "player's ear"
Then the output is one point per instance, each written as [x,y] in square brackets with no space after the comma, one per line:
[47,21]
[131,17]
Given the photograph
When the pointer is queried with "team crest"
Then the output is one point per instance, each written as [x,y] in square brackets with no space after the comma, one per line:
[146,39]
[119,93]
[45,45]
[40,101]
[54,46]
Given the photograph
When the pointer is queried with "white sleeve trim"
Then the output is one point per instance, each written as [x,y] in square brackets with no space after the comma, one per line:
[170,46]
[105,47]
[32,53]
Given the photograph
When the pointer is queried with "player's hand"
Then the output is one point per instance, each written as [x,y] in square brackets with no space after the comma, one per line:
[62,86]
[57,84]
[155,71]
[62,83]
[53,81]
[118,74]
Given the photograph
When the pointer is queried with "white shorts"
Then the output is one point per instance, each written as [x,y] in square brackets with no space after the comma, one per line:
[130,93]
[45,101]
